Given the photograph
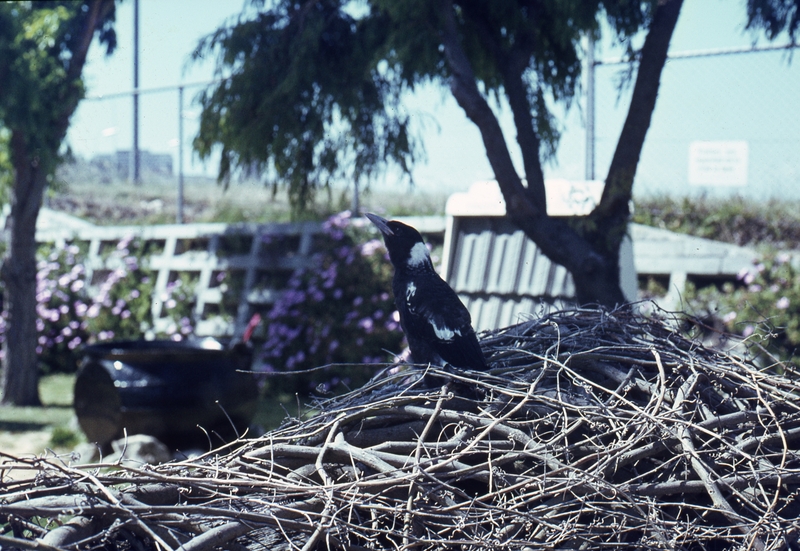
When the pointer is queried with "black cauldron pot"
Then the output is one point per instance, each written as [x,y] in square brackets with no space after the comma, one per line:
[187,394]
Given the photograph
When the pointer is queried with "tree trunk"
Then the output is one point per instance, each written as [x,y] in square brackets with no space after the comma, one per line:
[589,249]
[33,165]
[19,380]
[596,277]
[617,193]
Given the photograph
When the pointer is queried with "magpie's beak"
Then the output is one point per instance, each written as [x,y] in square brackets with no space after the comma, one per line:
[380,223]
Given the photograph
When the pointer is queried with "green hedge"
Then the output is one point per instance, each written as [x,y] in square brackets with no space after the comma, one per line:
[763,305]
[774,224]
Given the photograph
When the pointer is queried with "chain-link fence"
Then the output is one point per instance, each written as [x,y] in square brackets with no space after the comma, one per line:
[726,122]
[103,137]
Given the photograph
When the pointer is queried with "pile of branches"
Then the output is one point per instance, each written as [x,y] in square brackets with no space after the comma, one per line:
[592,430]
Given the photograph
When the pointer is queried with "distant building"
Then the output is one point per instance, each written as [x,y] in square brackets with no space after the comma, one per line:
[118,164]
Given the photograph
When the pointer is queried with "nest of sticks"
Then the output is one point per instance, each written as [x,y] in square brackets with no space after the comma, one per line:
[593,430]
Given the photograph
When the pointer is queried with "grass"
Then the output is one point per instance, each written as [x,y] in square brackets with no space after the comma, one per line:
[55,392]
[272,410]
[56,414]
[155,202]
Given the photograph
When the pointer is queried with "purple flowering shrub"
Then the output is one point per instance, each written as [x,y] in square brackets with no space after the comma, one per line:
[338,310]
[70,314]
[763,306]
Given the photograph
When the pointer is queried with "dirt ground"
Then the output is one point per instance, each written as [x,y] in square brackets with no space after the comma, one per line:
[21,444]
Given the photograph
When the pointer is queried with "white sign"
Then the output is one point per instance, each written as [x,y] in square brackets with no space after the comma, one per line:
[721,163]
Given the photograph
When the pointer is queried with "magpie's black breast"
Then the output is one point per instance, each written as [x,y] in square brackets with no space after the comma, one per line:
[437,325]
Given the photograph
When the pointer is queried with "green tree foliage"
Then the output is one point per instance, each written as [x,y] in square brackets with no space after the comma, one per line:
[774,17]
[308,104]
[43,47]
[310,92]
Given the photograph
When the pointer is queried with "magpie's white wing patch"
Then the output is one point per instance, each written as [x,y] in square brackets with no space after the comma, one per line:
[444,333]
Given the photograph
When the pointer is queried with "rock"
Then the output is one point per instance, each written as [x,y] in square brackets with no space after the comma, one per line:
[138,449]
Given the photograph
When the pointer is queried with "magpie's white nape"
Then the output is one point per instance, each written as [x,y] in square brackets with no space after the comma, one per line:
[437,325]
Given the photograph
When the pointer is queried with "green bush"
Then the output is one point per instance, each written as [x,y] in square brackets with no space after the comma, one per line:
[735,220]
[764,305]
[338,310]
[64,438]
[71,315]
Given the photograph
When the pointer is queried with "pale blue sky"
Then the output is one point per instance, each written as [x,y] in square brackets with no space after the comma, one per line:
[745,97]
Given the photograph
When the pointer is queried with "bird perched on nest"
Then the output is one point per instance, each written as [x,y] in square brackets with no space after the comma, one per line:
[437,325]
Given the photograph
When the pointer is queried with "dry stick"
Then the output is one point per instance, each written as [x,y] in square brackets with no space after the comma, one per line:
[662,379]
[641,412]
[225,479]
[232,530]
[327,483]
[76,529]
[784,452]
[618,461]
[713,490]
[206,484]
[408,520]
[378,461]
[485,432]
[115,502]
[12,543]
[217,536]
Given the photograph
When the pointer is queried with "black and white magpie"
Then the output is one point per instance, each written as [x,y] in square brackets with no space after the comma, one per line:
[437,325]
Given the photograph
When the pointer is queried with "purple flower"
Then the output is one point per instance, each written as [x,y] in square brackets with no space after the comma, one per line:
[338,221]
[782,304]
[742,273]
[729,317]
[370,247]
[93,311]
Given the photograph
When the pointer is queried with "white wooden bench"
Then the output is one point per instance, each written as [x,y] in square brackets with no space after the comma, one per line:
[257,260]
